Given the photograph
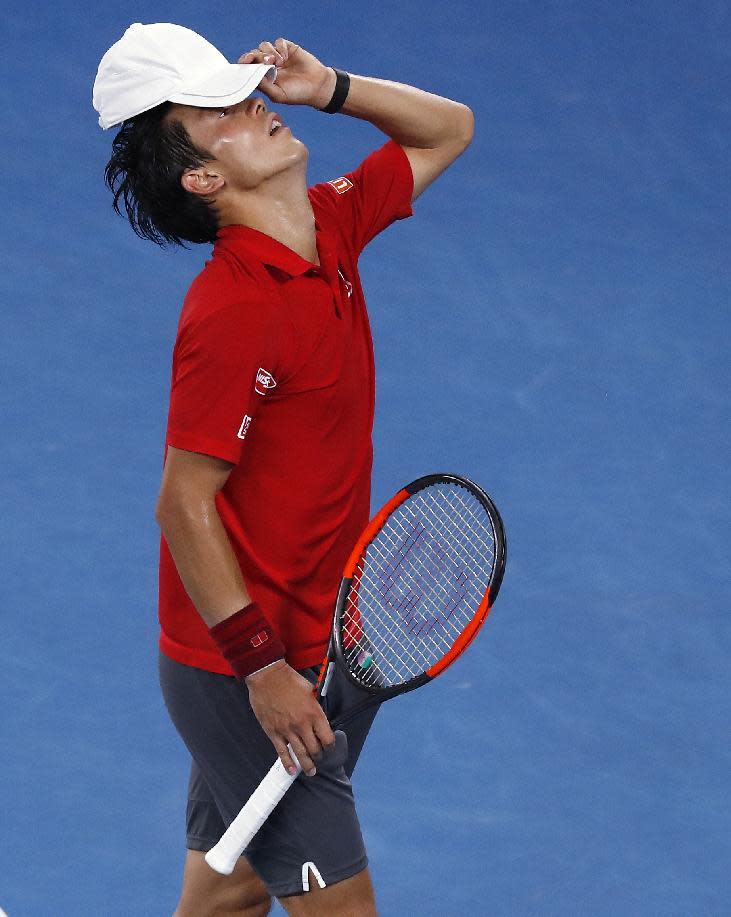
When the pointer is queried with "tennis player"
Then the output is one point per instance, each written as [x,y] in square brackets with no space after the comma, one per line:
[267,469]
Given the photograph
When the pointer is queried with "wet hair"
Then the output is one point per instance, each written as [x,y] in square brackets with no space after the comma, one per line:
[149,156]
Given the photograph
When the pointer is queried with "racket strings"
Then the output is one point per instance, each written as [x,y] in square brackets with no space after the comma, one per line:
[418,585]
[417,653]
[475,535]
[408,626]
[407,602]
[420,653]
[445,548]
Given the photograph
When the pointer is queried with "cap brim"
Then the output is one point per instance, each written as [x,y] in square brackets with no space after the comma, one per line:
[232,84]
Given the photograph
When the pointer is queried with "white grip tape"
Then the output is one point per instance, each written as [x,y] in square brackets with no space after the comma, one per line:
[224,856]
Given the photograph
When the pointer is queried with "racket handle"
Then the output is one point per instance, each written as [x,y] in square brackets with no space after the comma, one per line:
[263,801]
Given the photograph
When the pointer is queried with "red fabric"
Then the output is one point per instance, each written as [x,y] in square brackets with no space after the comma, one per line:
[247,641]
[268,336]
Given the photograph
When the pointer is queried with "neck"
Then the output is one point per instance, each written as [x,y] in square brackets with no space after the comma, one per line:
[280,210]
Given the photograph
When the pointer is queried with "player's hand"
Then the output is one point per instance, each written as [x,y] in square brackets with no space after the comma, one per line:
[285,705]
[301,78]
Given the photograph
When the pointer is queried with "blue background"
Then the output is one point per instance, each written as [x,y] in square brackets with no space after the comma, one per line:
[553,322]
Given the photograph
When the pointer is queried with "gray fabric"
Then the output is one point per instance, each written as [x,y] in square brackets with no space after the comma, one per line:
[315,822]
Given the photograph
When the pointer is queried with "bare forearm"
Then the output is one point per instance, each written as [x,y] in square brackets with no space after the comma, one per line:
[204,558]
[410,116]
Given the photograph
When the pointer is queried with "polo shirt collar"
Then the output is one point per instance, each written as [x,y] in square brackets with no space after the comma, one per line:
[245,240]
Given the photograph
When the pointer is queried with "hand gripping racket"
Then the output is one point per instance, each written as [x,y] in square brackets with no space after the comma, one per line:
[415,591]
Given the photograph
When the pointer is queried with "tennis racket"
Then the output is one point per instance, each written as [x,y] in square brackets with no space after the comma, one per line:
[416,589]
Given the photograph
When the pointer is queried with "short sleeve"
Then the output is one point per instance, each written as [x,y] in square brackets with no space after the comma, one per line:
[373,196]
[224,365]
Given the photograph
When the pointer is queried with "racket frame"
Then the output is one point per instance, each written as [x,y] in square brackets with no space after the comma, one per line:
[336,649]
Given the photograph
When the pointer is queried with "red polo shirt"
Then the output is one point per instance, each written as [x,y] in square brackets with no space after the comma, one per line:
[273,371]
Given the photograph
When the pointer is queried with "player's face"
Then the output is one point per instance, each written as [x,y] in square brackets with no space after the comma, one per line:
[239,139]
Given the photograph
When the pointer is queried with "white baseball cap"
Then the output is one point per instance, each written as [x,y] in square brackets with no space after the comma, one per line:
[162,62]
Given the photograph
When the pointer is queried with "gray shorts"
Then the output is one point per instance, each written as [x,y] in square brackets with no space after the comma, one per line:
[316,822]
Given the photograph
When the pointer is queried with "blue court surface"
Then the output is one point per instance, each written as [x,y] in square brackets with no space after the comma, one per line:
[553,322]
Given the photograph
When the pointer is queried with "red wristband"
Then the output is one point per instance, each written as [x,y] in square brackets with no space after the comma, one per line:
[247,641]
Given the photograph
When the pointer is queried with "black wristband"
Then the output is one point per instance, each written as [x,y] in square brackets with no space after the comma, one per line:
[342,87]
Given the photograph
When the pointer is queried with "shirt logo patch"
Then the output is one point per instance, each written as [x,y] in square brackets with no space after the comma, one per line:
[244,428]
[341,184]
[264,380]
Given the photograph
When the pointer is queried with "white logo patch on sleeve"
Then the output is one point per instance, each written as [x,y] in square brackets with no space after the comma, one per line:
[244,428]
[341,184]
[264,381]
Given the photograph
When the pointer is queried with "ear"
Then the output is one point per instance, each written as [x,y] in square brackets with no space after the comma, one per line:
[202,181]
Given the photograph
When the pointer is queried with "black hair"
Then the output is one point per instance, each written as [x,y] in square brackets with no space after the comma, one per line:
[149,156]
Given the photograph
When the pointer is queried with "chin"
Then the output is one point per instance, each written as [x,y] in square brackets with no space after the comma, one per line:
[303,154]
[301,144]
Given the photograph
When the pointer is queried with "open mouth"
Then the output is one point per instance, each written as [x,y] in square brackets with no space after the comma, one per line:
[276,126]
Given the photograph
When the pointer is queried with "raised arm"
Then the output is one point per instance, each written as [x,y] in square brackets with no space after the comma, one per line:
[433,130]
